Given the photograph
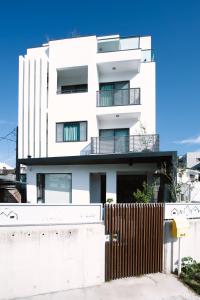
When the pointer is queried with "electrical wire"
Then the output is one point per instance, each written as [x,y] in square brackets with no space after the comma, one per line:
[12,133]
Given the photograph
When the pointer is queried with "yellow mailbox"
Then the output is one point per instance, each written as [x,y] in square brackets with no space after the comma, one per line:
[180,227]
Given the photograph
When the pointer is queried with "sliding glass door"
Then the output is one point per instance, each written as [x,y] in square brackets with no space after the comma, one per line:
[106,94]
[106,141]
[114,140]
[114,93]
[121,94]
[121,140]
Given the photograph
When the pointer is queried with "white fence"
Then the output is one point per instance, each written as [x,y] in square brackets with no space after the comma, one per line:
[44,214]
[187,210]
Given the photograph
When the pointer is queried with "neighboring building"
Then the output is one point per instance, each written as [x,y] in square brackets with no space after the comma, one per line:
[188,177]
[8,191]
[190,159]
[7,171]
[87,120]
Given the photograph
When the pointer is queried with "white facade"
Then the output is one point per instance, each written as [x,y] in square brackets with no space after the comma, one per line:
[49,101]
[41,106]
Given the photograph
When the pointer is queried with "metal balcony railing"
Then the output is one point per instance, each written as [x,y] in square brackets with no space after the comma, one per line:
[118,97]
[125,144]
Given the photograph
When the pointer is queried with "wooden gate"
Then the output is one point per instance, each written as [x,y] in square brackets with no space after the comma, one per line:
[135,245]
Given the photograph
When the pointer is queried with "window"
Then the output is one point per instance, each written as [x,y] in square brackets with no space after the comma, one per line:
[69,89]
[71,132]
[54,188]
[72,80]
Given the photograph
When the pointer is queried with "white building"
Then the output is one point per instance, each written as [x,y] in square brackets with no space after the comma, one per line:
[87,119]
[189,177]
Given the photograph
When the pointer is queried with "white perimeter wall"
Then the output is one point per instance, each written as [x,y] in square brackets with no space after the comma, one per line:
[190,246]
[43,259]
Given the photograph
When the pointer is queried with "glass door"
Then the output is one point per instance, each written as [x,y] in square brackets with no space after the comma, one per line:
[106,141]
[114,140]
[106,94]
[121,94]
[121,140]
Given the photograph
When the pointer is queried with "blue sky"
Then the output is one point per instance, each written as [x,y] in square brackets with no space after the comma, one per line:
[175,29]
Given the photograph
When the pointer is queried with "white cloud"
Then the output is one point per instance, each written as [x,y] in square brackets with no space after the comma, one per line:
[190,141]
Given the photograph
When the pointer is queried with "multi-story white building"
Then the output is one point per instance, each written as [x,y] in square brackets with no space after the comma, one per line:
[87,119]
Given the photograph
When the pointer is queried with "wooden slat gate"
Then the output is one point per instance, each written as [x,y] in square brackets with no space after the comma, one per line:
[135,245]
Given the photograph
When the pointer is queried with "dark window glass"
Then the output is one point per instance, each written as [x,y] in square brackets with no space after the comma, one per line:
[79,88]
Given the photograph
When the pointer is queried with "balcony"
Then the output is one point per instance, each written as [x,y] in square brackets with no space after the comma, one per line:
[125,144]
[118,44]
[118,97]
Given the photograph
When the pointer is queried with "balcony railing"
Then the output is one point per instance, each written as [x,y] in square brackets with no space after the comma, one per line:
[111,45]
[147,55]
[125,144]
[118,97]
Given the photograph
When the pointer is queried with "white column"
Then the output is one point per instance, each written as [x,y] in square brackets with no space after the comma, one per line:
[21,108]
[32,108]
[111,185]
[93,87]
[37,108]
[31,186]
[43,106]
[80,187]
[26,107]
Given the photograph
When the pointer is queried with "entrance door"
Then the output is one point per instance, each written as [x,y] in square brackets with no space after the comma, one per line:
[97,188]
[128,184]
[135,244]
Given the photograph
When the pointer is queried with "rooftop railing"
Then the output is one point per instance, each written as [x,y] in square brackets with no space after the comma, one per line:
[117,44]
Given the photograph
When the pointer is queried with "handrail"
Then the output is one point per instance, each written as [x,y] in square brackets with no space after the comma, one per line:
[118,97]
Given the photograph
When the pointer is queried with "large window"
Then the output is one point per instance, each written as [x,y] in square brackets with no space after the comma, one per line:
[71,132]
[54,188]
[72,80]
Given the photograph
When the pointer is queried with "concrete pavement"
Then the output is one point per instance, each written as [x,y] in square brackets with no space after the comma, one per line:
[149,287]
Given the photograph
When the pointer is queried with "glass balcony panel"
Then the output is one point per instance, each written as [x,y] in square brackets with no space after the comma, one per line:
[129,43]
[108,46]
[147,55]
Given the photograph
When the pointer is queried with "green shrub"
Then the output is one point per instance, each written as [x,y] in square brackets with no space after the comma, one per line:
[145,195]
[190,273]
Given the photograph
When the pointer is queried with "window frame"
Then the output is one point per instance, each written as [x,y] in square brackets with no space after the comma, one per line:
[71,122]
[73,90]
[42,176]
[101,84]
[114,130]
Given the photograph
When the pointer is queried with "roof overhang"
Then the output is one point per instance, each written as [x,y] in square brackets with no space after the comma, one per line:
[128,158]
